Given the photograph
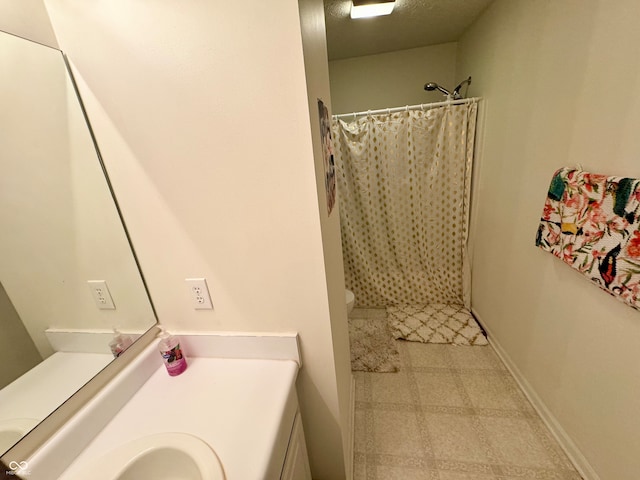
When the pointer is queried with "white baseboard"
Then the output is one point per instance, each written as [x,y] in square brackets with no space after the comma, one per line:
[80,340]
[572,451]
[262,346]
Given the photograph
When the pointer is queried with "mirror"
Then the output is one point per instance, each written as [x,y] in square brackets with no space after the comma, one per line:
[61,229]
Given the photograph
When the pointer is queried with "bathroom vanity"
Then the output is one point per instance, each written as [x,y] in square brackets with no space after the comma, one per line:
[245,410]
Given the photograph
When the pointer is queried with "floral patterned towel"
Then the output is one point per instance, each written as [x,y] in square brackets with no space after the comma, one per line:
[592,222]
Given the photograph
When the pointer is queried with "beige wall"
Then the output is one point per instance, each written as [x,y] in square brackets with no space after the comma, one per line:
[203,116]
[560,83]
[317,74]
[392,79]
[27,19]
[61,227]
[18,350]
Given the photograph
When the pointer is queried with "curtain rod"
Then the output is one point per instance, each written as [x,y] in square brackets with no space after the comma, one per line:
[421,106]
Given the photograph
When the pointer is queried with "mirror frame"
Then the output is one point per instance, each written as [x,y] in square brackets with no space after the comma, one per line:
[34,439]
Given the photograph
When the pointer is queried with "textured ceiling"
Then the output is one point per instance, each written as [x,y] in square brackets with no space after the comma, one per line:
[413,23]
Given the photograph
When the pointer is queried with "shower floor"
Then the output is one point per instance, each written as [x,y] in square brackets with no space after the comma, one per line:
[450,413]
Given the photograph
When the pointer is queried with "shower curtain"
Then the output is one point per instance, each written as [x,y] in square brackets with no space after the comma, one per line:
[404,181]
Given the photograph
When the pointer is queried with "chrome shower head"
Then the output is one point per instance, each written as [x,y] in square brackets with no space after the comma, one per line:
[434,86]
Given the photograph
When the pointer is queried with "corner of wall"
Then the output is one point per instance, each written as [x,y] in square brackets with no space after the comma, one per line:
[317,78]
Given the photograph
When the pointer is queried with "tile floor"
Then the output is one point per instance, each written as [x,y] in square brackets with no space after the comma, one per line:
[450,413]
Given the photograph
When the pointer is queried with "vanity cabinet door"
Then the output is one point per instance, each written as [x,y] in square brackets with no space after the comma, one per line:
[296,463]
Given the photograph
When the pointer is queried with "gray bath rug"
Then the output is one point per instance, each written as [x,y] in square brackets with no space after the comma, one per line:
[372,346]
[436,323]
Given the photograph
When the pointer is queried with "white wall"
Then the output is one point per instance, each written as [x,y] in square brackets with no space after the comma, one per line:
[202,114]
[560,83]
[392,79]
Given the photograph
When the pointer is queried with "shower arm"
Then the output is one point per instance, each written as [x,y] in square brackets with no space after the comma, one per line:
[456,91]
[444,90]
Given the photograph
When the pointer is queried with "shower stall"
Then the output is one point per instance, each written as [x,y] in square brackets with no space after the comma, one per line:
[404,180]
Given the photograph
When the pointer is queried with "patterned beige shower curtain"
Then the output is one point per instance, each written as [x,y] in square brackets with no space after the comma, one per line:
[404,181]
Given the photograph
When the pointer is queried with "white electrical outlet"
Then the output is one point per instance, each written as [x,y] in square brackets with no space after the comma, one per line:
[199,293]
[101,294]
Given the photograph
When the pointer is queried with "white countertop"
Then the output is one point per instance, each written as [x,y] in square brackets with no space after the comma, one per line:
[43,388]
[243,409]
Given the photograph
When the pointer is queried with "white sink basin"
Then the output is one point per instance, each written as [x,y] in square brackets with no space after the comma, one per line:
[164,456]
[14,429]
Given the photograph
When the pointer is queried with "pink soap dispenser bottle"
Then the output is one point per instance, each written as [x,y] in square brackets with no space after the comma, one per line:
[119,343]
[174,359]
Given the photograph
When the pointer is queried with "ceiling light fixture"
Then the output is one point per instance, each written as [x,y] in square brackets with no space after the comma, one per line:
[371,8]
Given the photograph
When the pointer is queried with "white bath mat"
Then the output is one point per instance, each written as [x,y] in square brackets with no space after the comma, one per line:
[373,348]
[436,323]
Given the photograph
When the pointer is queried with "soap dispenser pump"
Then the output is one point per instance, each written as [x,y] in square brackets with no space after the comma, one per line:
[174,359]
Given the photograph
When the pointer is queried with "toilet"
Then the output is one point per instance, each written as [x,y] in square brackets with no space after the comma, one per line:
[350,299]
